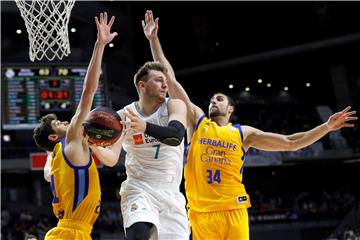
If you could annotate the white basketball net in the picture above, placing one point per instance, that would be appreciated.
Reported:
(47, 26)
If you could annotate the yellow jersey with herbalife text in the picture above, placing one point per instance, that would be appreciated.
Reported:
(76, 190)
(213, 172)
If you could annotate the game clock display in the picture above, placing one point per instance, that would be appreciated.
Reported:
(30, 92)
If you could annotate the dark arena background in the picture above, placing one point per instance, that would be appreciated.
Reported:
(288, 65)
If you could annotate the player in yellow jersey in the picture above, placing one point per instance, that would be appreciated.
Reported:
(217, 198)
(71, 169)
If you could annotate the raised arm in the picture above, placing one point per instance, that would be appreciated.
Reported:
(104, 36)
(278, 142)
(151, 27)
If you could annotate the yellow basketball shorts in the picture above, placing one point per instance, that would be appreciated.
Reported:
(69, 229)
(228, 224)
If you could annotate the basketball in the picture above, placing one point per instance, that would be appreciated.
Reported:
(103, 126)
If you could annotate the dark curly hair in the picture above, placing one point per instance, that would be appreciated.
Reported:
(42, 132)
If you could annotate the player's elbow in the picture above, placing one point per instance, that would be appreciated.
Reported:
(177, 135)
(173, 141)
(47, 176)
(110, 163)
(292, 145)
(171, 135)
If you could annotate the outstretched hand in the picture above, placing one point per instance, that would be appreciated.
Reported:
(104, 35)
(135, 122)
(340, 119)
(149, 25)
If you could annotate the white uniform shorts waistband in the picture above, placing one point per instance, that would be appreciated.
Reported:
(154, 183)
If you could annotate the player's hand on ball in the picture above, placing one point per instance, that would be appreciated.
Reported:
(87, 139)
(102, 126)
(135, 122)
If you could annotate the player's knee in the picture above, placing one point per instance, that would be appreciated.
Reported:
(139, 231)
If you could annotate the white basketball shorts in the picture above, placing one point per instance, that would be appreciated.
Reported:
(161, 204)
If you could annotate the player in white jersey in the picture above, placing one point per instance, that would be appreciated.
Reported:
(151, 202)
(147, 158)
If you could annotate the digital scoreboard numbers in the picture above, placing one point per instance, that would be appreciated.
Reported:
(30, 92)
(55, 93)
(77, 75)
(20, 97)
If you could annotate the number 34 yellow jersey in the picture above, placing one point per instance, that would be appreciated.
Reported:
(213, 172)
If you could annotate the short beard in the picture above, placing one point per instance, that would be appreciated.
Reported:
(157, 98)
(161, 100)
(216, 113)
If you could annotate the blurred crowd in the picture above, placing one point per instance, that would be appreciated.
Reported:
(300, 206)
(266, 208)
(24, 225)
(348, 233)
(28, 226)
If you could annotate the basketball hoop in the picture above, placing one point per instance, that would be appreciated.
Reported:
(47, 26)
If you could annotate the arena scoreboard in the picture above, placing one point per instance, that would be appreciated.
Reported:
(30, 92)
